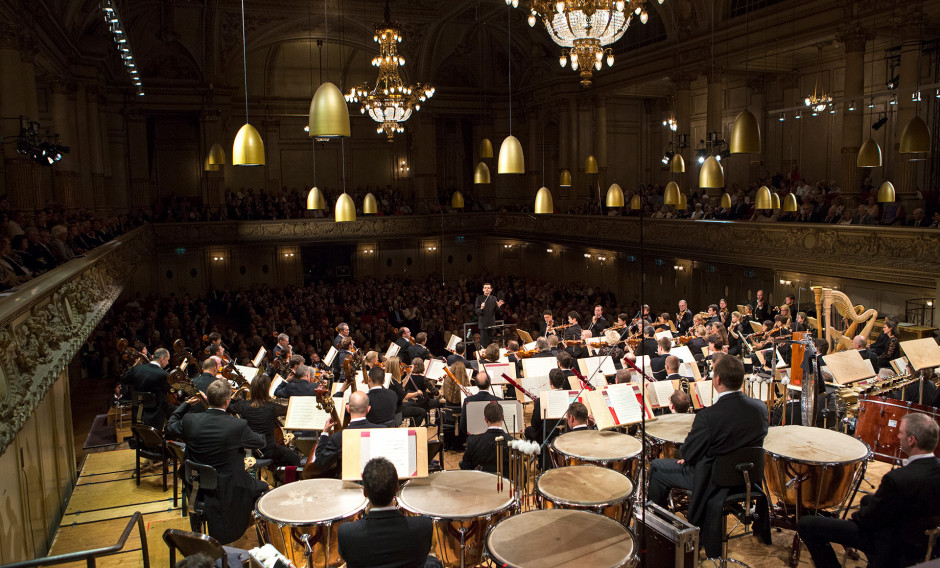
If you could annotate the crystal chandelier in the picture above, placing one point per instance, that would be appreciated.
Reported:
(819, 100)
(390, 103)
(585, 27)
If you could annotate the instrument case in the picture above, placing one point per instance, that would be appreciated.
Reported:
(670, 540)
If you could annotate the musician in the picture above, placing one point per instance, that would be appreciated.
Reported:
(481, 448)
(553, 345)
(680, 402)
(717, 328)
(883, 340)
(573, 331)
(578, 418)
(734, 421)
(662, 322)
(546, 326)
(459, 354)
(580, 350)
(511, 348)
(301, 384)
(420, 394)
(385, 537)
(800, 323)
(648, 346)
(215, 352)
(485, 308)
(329, 452)
(344, 350)
(672, 368)
(598, 322)
(763, 311)
(861, 345)
(658, 363)
(283, 348)
(217, 439)
(261, 413)
(623, 325)
(419, 349)
(724, 313)
(405, 341)
(735, 334)
(683, 318)
(210, 371)
(342, 331)
(893, 349)
(747, 316)
(712, 314)
(541, 344)
(557, 381)
(483, 383)
(889, 525)
(151, 378)
(384, 402)
(761, 339)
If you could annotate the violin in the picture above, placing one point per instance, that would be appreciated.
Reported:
(525, 353)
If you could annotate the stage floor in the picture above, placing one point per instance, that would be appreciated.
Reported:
(106, 496)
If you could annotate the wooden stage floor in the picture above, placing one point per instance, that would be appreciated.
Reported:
(106, 496)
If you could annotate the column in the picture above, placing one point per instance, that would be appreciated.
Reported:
(715, 104)
(853, 136)
(600, 140)
(424, 158)
(66, 182)
(214, 193)
(904, 171)
(272, 154)
(138, 163)
(585, 187)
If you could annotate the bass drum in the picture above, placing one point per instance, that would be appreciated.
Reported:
(879, 419)
(308, 512)
(811, 468)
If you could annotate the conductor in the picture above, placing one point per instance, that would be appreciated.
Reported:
(485, 308)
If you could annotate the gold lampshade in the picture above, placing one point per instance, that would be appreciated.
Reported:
(590, 165)
(915, 138)
(369, 205)
(315, 199)
(211, 167)
(216, 155)
(564, 180)
(481, 174)
(672, 193)
(711, 175)
(511, 160)
(636, 202)
(677, 164)
(248, 149)
(745, 134)
(683, 202)
(345, 209)
(789, 203)
(614, 196)
(726, 200)
(886, 192)
(329, 115)
(775, 201)
(869, 155)
(456, 200)
(486, 148)
(763, 200)
(544, 205)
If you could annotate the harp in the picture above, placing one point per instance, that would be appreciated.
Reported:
(840, 319)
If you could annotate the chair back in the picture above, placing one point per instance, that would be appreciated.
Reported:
(729, 470)
(148, 437)
(201, 476)
(141, 401)
(189, 543)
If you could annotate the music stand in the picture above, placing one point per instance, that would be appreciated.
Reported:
(847, 367)
(922, 354)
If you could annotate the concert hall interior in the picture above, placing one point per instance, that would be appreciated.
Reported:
(236, 181)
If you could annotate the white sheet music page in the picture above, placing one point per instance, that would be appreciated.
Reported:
(393, 349)
(683, 353)
(330, 355)
(276, 382)
(623, 404)
(434, 369)
(554, 403)
(259, 356)
(663, 390)
(391, 444)
(303, 414)
(535, 385)
(453, 341)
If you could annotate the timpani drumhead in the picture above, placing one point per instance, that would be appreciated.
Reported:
(586, 485)
(561, 538)
(671, 427)
(597, 445)
(454, 495)
(814, 445)
(312, 501)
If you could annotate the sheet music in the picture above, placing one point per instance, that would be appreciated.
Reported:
(391, 444)
(538, 366)
(683, 353)
(330, 355)
(643, 363)
(259, 356)
(434, 369)
(276, 382)
(303, 414)
(685, 370)
(663, 390)
(901, 366)
(623, 405)
(248, 372)
(530, 346)
(534, 385)
(554, 403)
(503, 355)
(495, 372)
(392, 351)
(705, 391)
(661, 334)
(589, 365)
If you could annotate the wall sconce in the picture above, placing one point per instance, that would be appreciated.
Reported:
(403, 168)
(786, 282)
(587, 255)
(368, 251)
(602, 258)
(678, 267)
(218, 258)
(432, 249)
(507, 246)
(288, 255)
(549, 250)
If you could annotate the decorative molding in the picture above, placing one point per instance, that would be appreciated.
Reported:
(44, 324)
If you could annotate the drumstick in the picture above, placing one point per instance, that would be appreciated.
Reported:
(499, 464)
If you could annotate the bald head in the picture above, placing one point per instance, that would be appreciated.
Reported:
(358, 404)
(859, 341)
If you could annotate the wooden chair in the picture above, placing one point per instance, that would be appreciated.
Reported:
(151, 445)
(189, 543)
(202, 479)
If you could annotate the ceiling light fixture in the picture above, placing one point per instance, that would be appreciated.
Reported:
(113, 20)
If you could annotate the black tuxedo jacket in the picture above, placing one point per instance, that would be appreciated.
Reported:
(597, 328)
(894, 519)
(454, 358)
(543, 327)
(203, 381)
(482, 395)
(649, 347)
(386, 539)
(486, 316)
(218, 439)
(658, 366)
(573, 332)
(403, 344)
(734, 421)
(148, 377)
(419, 351)
(329, 452)
(384, 402)
(481, 451)
(295, 387)
(684, 323)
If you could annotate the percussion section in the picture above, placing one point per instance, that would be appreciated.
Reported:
(588, 488)
(603, 448)
(667, 433)
(301, 519)
(879, 419)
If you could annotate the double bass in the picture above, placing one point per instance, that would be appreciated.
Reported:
(324, 402)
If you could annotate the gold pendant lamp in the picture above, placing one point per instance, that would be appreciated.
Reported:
(544, 205)
(456, 200)
(345, 209)
(486, 148)
(869, 155)
(511, 160)
(915, 138)
(248, 149)
(369, 205)
(745, 135)
(315, 199)
(726, 200)
(886, 193)
(564, 180)
(775, 201)
(671, 194)
(636, 202)
(590, 165)
(712, 175)
(211, 167)
(763, 199)
(789, 203)
(481, 175)
(329, 115)
(677, 164)
(683, 202)
(614, 196)
(216, 155)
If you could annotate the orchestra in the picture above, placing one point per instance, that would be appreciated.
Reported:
(714, 347)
